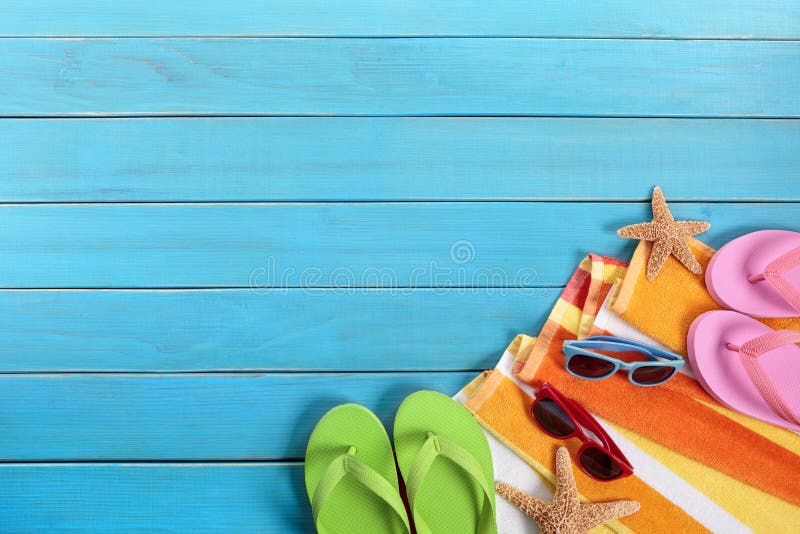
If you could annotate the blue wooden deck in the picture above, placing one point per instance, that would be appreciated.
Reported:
(219, 220)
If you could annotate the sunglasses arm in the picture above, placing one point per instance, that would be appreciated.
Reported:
(618, 344)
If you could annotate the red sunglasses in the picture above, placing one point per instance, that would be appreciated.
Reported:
(562, 418)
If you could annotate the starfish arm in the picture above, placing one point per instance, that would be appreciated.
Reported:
(646, 231)
(658, 257)
(595, 514)
(685, 255)
(693, 227)
(534, 508)
(566, 495)
(661, 212)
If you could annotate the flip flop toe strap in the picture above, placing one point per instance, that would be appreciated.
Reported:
(434, 447)
(348, 464)
(751, 351)
(774, 272)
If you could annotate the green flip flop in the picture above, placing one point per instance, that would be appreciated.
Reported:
(351, 476)
(446, 463)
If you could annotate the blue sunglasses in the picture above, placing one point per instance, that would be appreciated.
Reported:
(583, 362)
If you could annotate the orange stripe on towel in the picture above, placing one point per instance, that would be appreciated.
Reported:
(503, 408)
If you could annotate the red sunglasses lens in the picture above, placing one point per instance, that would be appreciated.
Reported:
(552, 417)
(652, 374)
(599, 464)
(589, 366)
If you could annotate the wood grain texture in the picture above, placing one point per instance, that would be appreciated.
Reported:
(440, 244)
(396, 158)
(159, 497)
(321, 329)
(576, 18)
(605, 77)
(189, 416)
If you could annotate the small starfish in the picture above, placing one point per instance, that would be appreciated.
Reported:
(668, 237)
(566, 514)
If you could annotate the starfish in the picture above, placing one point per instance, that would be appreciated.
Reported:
(566, 514)
(668, 237)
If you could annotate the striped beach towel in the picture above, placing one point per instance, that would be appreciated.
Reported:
(699, 467)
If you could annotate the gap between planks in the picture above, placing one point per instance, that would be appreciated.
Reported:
(253, 372)
(290, 462)
(267, 115)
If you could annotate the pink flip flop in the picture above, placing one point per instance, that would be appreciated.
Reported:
(758, 274)
(747, 366)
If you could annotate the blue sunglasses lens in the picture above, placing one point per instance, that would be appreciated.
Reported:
(589, 366)
(652, 374)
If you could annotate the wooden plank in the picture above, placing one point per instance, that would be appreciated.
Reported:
(268, 246)
(188, 416)
(625, 18)
(157, 497)
(320, 329)
(396, 158)
(604, 77)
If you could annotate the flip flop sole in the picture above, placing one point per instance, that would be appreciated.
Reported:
(352, 508)
(727, 272)
(449, 501)
(722, 375)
